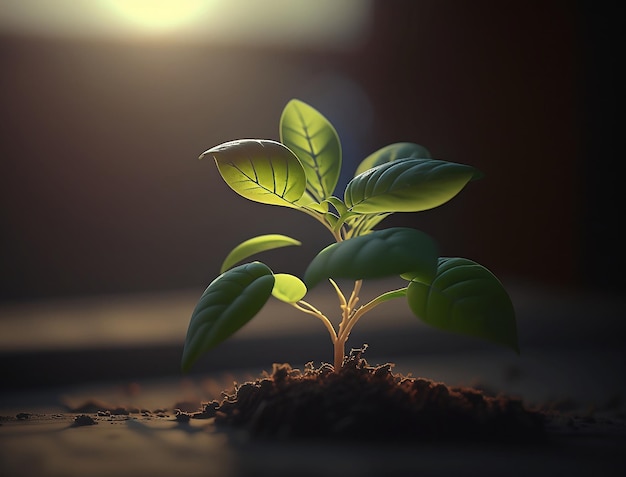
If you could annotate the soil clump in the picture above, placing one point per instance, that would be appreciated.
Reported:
(363, 402)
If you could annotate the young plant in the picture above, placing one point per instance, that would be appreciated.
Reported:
(301, 172)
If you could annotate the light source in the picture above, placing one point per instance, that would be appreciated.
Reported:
(329, 24)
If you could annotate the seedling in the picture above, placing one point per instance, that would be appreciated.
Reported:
(301, 172)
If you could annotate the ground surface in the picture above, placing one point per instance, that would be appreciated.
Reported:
(72, 410)
(156, 443)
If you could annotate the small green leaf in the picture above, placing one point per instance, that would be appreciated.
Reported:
(392, 152)
(261, 170)
(465, 298)
(228, 303)
(288, 288)
(338, 204)
(382, 253)
(314, 140)
(407, 185)
(256, 245)
(332, 220)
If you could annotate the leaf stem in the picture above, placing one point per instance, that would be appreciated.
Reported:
(309, 309)
(337, 234)
(356, 316)
(354, 297)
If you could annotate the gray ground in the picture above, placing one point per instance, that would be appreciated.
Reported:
(124, 351)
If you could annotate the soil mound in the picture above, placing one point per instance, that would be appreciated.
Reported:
(370, 403)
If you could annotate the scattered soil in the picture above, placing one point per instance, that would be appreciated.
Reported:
(84, 420)
(369, 403)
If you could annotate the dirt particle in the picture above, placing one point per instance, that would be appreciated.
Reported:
(84, 420)
(182, 417)
(209, 410)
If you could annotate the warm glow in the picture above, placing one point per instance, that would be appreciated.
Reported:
(331, 24)
(160, 15)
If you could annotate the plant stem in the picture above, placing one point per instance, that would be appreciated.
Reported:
(356, 316)
(320, 218)
(349, 316)
(347, 308)
(340, 346)
(311, 310)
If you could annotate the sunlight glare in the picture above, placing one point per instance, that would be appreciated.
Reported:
(333, 24)
(160, 15)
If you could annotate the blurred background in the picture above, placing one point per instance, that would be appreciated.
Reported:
(106, 105)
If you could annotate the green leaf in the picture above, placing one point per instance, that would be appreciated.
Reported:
(390, 295)
(314, 140)
(261, 170)
(392, 152)
(338, 204)
(309, 202)
(465, 298)
(407, 185)
(362, 224)
(382, 253)
(228, 303)
(288, 288)
(316, 207)
(255, 245)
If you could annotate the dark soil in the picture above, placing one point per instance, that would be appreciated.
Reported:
(362, 402)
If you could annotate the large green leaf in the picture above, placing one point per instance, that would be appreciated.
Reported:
(228, 303)
(465, 298)
(393, 152)
(261, 170)
(407, 185)
(314, 140)
(255, 245)
(382, 253)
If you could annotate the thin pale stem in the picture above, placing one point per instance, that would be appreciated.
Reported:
(354, 297)
(356, 316)
(345, 332)
(309, 309)
(347, 311)
(320, 218)
(340, 295)
(343, 304)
